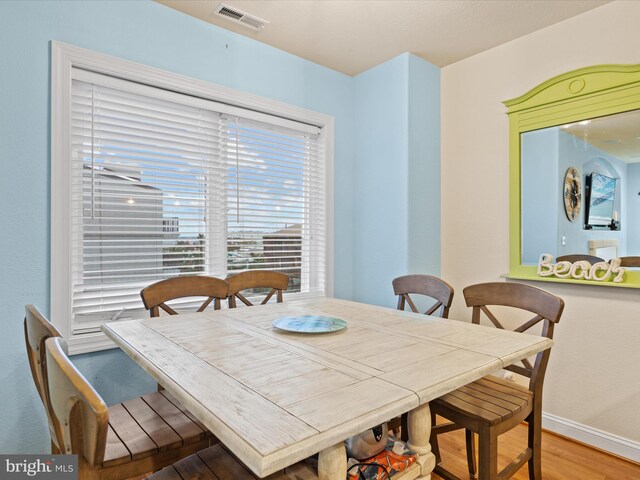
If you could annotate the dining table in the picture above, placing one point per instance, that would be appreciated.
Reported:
(274, 397)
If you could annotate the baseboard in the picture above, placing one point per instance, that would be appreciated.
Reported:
(609, 442)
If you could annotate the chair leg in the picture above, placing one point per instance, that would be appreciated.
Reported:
(535, 444)
(404, 429)
(471, 454)
(488, 453)
(433, 440)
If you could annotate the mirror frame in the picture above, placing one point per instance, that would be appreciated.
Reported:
(574, 96)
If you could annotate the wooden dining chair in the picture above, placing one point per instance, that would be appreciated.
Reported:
(491, 406)
(630, 261)
(274, 282)
(213, 463)
(36, 330)
(156, 295)
(577, 257)
(125, 440)
(426, 285)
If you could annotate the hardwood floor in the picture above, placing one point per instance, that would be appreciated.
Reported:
(562, 459)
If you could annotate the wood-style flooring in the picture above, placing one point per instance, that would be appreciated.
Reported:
(562, 459)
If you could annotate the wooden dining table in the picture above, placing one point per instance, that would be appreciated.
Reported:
(274, 397)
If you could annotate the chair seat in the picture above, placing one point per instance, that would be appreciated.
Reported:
(149, 425)
(213, 463)
(490, 400)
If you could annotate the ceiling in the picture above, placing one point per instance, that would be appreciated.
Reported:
(618, 135)
(351, 36)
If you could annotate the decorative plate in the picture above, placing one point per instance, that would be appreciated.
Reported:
(309, 324)
(572, 194)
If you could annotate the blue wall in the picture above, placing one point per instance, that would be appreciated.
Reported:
(381, 179)
(540, 187)
(397, 176)
(424, 168)
(151, 34)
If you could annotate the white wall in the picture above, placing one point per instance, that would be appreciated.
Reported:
(593, 376)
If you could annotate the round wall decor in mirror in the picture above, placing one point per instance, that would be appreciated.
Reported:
(572, 194)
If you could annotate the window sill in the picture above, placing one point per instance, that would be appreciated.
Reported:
(97, 341)
(89, 342)
(632, 280)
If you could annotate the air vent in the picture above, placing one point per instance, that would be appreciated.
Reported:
(238, 16)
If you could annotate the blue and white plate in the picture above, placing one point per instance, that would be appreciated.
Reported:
(309, 324)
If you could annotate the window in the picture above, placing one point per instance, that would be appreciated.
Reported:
(150, 183)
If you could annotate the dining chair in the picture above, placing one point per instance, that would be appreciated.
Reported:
(274, 282)
(630, 261)
(428, 286)
(491, 406)
(212, 463)
(36, 330)
(577, 257)
(157, 294)
(425, 285)
(128, 439)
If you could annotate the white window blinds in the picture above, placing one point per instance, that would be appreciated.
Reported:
(164, 184)
(275, 208)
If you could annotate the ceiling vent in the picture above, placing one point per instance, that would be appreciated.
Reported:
(238, 16)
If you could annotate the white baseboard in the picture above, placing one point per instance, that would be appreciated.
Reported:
(592, 436)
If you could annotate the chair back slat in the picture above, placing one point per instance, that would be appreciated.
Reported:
(81, 414)
(242, 299)
(546, 307)
(436, 306)
(426, 285)
(527, 364)
(490, 316)
(206, 304)
(268, 297)
(252, 279)
(526, 326)
(156, 295)
(578, 257)
(412, 305)
(630, 261)
(167, 309)
(525, 372)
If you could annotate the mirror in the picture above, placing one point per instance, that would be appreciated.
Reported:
(596, 209)
(575, 170)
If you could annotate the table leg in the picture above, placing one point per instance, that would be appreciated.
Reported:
(419, 430)
(332, 463)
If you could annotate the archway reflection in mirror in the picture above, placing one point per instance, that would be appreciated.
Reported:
(605, 152)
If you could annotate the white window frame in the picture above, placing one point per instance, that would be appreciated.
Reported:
(64, 58)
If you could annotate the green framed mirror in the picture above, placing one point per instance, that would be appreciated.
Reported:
(574, 150)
